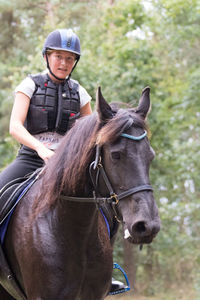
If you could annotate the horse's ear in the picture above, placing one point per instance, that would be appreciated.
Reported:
(144, 103)
(103, 108)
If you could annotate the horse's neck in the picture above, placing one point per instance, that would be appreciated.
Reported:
(78, 218)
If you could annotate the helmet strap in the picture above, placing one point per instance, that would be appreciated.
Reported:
(74, 67)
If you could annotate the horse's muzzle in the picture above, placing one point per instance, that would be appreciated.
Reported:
(142, 232)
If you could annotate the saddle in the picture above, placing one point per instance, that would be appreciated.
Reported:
(10, 195)
(13, 191)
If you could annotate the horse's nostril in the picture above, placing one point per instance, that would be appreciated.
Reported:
(139, 227)
(144, 228)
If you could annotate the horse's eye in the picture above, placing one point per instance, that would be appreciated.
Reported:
(115, 155)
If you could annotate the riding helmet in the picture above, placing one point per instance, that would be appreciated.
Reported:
(63, 39)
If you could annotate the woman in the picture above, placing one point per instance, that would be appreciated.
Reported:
(46, 105)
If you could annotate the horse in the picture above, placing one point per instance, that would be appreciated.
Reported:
(57, 243)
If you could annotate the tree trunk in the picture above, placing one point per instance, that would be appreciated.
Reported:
(149, 265)
(50, 13)
(130, 259)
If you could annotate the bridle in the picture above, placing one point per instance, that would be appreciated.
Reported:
(96, 170)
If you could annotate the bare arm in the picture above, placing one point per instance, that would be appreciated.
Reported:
(86, 110)
(19, 132)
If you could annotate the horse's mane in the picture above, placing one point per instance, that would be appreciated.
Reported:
(67, 171)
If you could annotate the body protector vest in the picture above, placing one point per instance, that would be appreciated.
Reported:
(53, 107)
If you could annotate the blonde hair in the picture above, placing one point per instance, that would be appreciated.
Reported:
(49, 51)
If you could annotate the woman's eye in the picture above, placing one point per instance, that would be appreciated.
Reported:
(115, 155)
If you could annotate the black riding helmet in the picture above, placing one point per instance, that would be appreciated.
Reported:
(62, 39)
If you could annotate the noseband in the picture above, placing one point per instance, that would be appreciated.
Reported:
(97, 167)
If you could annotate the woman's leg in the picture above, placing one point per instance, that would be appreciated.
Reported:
(24, 164)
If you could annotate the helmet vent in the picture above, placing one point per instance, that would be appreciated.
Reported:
(69, 42)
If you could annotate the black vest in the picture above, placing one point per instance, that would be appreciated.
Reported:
(53, 107)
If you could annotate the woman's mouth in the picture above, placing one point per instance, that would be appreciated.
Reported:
(62, 70)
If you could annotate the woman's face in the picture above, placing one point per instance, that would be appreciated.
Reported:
(61, 63)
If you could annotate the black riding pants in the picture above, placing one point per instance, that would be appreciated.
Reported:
(27, 161)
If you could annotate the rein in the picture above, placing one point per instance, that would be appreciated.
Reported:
(113, 199)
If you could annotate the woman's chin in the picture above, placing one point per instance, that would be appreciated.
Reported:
(62, 75)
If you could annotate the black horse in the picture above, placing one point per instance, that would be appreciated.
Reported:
(57, 243)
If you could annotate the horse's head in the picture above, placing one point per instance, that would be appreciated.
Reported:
(126, 155)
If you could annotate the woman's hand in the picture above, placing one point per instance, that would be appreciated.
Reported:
(44, 152)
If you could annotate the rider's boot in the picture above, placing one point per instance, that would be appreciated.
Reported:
(116, 286)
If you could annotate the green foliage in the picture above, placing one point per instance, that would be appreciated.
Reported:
(114, 51)
(8, 150)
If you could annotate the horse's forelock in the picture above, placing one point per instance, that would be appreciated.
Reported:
(123, 120)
